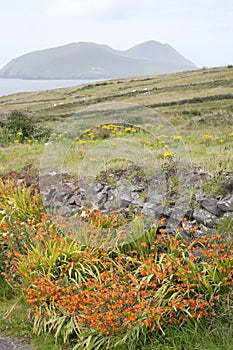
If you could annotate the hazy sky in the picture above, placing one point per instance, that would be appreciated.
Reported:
(201, 30)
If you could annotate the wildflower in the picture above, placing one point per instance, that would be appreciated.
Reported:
(92, 159)
(20, 133)
(176, 137)
(81, 142)
(168, 154)
(16, 141)
(207, 137)
(231, 134)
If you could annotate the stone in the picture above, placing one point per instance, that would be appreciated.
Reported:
(226, 204)
(124, 194)
(51, 194)
(228, 184)
(65, 211)
(100, 198)
(74, 200)
(210, 204)
(82, 192)
(204, 217)
(98, 187)
(149, 209)
(60, 195)
(199, 196)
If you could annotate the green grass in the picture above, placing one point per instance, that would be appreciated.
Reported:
(202, 113)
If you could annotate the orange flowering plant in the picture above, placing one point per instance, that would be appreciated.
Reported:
(110, 293)
(108, 297)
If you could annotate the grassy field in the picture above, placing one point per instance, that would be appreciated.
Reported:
(192, 298)
(196, 103)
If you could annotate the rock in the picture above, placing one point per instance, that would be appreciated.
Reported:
(228, 184)
(100, 198)
(60, 195)
(152, 210)
(74, 200)
(226, 204)
(149, 209)
(210, 204)
(124, 193)
(199, 196)
(51, 194)
(98, 187)
(82, 192)
(65, 211)
(202, 216)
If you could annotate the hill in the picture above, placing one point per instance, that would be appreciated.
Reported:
(89, 60)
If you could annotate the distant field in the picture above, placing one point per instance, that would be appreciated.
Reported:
(196, 103)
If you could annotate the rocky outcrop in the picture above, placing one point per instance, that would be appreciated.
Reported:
(153, 198)
(128, 190)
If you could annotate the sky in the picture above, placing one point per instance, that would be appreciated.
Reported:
(201, 30)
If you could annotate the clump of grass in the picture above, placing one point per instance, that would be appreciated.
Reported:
(19, 128)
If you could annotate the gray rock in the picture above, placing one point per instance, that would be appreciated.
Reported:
(70, 185)
(152, 210)
(226, 204)
(199, 196)
(202, 216)
(51, 194)
(82, 192)
(100, 198)
(65, 211)
(124, 193)
(74, 200)
(210, 204)
(60, 195)
(228, 184)
(98, 187)
(149, 209)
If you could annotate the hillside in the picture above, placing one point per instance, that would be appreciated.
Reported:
(196, 103)
(89, 60)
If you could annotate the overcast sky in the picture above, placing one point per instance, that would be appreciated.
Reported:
(201, 30)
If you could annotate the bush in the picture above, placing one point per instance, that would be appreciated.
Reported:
(20, 127)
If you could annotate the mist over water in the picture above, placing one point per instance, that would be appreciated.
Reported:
(12, 86)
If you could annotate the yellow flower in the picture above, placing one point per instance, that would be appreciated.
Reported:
(176, 137)
(168, 154)
(19, 133)
(231, 134)
(207, 137)
(93, 159)
(81, 142)
(16, 141)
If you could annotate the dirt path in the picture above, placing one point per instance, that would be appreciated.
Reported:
(10, 344)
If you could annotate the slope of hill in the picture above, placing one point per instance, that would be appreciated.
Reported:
(89, 60)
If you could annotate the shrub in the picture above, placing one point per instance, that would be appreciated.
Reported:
(21, 215)
(19, 127)
(109, 296)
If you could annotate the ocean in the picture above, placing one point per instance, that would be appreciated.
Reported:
(12, 86)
